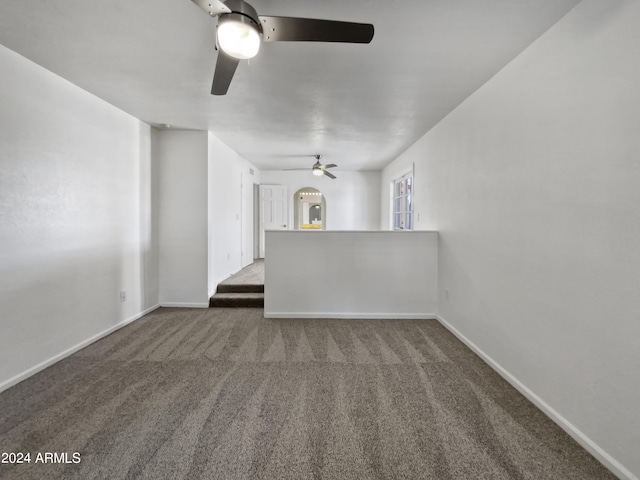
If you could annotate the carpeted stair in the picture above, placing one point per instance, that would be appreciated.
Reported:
(238, 296)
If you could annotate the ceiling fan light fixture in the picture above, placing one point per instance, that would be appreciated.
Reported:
(317, 171)
(238, 37)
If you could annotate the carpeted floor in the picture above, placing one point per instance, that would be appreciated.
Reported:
(252, 274)
(226, 394)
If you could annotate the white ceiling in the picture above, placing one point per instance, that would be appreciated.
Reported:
(357, 105)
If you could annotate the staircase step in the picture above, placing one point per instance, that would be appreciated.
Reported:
(237, 300)
(239, 288)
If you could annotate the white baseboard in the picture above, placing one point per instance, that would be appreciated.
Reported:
(371, 316)
(184, 305)
(56, 358)
(589, 445)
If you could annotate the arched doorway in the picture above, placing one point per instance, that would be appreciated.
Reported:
(309, 209)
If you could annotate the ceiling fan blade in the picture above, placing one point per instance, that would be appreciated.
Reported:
(330, 175)
(212, 7)
(331, 165)
(290, 29)
(225, 68)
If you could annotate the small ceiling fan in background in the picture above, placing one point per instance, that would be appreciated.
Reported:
(240, 31)
(319, 169)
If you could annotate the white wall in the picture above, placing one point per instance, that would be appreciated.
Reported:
(93, 202)
(230, 211)
(182, 160)
(150, 226)
(203, 214)
(353, 199)
(75, 217)
(351, 274)
(534, 185)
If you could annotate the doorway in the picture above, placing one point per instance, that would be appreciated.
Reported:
(309, 209)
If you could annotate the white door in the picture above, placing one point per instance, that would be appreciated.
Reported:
(274, 210)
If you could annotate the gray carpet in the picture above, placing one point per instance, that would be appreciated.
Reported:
(252, 274)
(244, 289)
(226, 394)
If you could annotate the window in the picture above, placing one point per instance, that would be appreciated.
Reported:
(403, 202)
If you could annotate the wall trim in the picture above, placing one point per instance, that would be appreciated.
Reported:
(70, 351)
(348, 316)
(589, 445)
(184, 304)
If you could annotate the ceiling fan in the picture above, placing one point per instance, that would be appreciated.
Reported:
(318, 169)
(240, 31)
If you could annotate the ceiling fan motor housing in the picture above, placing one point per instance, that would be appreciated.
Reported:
(241, 12)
